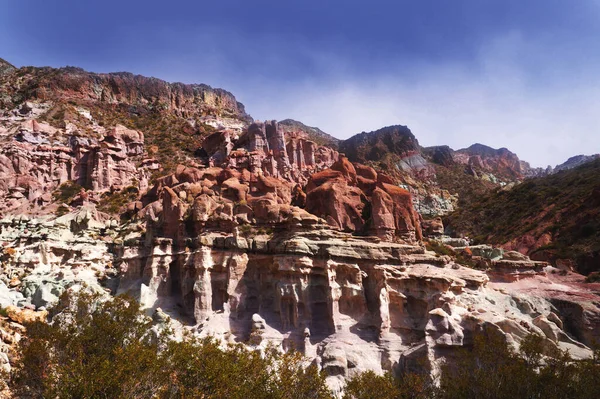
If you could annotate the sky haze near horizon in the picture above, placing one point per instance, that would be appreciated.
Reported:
(521, 75)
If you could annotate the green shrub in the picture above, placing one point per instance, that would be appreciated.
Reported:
(588, 230)
(439, 248)
(593, 277)
(107, 350)
(113, 202)
(490, 369)
(369, 385)
(66, 191)
(62, 210)
(245, 230)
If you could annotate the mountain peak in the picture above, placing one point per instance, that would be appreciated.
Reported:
(374, 146)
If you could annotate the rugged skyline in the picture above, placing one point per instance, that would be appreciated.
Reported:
(501, 73)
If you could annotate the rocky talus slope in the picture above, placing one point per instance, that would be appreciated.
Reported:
(259, 235)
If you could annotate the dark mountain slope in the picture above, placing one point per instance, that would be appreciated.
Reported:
(378, 145)
(556, 217)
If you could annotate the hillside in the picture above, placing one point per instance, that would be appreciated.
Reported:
(314, 133)
(5, 67)
(174, 117)
(553, 217)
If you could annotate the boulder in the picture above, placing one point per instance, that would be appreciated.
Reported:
(514, 255)
(393, 214)
(233, 190)
(339, 204)
(365, 171)
(487, 252)
(203, 208)
(320, 178)
(366, 178)
(218, 146)
(433, 227)
(25, 316)
(185, 174)
(280, 188)
(345, 167)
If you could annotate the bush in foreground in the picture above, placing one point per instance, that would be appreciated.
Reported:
(98, 349)
(106, 350)
(491, 370)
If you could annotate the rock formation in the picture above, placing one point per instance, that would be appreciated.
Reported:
(265, 149)
(290, 126)
(260, 232)
(502, 162)
(350, 304)
(71, 83)
(35, 161)
(362, 202)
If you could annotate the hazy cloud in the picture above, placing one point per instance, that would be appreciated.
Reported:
(521, 75)
(498, 100)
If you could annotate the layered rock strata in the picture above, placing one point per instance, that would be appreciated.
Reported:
(265, 149)
(351, 305)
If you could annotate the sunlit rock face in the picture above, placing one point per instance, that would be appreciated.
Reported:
(264, 148)
(349, 304)
(37, 158)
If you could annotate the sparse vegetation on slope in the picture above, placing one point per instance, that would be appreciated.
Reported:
(470, 189)
(492, 370)
(169, 114)
(565, 206)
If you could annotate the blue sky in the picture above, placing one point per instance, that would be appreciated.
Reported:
(518, 74)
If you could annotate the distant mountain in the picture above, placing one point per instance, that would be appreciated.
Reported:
(503, 163)
(571, 163)
(575, 161)
(376, 146)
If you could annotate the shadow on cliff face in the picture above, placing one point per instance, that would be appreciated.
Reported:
(287, 301)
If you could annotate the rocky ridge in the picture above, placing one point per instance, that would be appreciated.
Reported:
(75, 84)
(313, 133)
